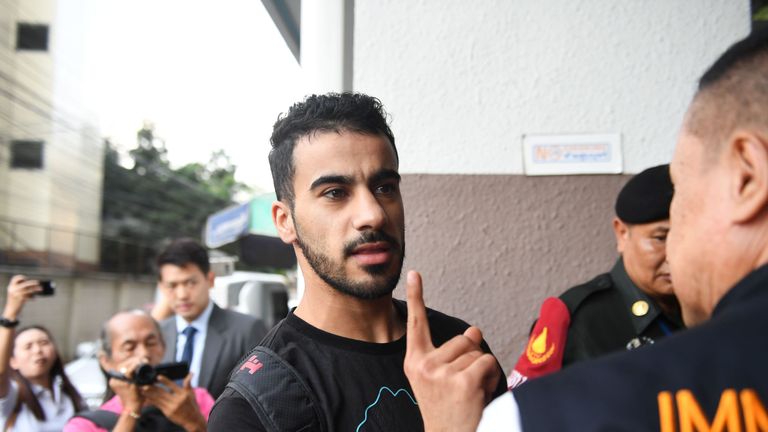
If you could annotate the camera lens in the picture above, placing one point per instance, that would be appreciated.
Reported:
(144, 374)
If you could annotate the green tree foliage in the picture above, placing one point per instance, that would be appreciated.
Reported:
(149, 203)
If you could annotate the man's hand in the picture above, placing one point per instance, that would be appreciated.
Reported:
(178, 404)
(129, 393)
(451, 383)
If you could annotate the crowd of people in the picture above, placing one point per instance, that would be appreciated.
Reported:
(351, 357)
(135, 350)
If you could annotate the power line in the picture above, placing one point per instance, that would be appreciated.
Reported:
(22, 62)
(56, 203)
(39, 111)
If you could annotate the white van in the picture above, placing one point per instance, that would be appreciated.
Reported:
(264, 295)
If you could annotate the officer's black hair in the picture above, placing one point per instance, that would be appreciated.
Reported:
(742, 50)
(732, 93)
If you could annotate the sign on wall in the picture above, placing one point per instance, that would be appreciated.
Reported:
(572, 154)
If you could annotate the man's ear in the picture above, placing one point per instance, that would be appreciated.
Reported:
(283, 220)
(621, 231)
(210, 278)
(747, 161)
(104, 362)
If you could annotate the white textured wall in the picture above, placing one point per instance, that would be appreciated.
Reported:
(464, 80)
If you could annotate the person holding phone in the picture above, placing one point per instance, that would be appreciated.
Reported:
(35, 393)
(130, 340)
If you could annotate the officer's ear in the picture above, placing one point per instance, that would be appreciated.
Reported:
(621, 231)
(747, 163)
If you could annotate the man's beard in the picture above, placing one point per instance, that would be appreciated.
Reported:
(334, 274)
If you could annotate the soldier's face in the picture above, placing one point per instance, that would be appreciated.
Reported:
(643, 248)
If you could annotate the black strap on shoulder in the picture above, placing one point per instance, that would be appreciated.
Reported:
(574, 296)
(101, 418)
(278, 395)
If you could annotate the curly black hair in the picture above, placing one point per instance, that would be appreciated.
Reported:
(332, 112)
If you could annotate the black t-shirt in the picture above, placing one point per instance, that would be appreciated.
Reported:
(360, 386)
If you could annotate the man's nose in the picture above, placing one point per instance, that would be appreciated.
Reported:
(182, 291)
(369, 213)
(664, 266)
(142, 353)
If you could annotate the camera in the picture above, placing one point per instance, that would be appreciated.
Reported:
(49, 288)
(146, 374)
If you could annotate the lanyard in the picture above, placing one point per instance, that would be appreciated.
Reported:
(664, 327)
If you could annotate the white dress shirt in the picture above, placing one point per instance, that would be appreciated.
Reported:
(502, 414)
(58, 408)
(201, 325)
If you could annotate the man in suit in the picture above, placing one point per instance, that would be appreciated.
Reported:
(209, 338)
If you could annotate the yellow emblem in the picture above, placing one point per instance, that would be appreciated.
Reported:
(640, 308)
(537, 351)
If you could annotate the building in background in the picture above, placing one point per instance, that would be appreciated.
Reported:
(51, 155)
(51, 170)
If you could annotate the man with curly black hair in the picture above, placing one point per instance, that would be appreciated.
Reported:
(335, 168)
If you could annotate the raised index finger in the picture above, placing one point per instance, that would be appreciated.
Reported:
(418, 335)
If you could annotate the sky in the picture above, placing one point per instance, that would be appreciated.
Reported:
(208, 75)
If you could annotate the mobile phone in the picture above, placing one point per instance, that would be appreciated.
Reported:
(49, 288)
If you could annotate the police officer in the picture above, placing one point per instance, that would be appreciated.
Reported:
(631, 306)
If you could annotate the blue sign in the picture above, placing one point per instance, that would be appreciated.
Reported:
(227, 225)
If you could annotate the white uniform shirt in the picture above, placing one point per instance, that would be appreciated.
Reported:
(58, 408)
(201, 325)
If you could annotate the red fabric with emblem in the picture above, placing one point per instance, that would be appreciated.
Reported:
(544, 350)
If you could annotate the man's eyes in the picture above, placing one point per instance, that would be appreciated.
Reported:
(335, 193)
(340, 193)
(388, 188)
(188, 282)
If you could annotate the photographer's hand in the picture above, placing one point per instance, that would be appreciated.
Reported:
(132, 401)
(20, 289)
(129, 394)
(178, 404)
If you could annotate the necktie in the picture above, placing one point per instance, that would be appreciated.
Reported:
(186, 355)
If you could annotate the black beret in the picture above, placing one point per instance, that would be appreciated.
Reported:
(646, 197)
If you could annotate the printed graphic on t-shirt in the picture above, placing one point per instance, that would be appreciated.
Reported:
(391, 410)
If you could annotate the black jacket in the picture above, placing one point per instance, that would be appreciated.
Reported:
(715, 368)
(603, 321)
